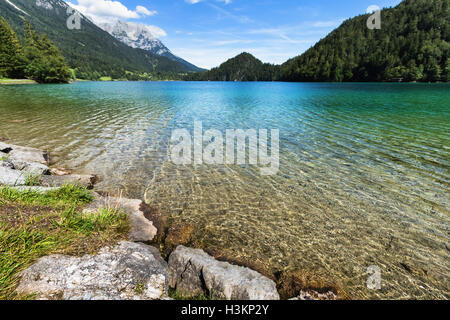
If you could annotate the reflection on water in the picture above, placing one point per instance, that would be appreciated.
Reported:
(363, 180)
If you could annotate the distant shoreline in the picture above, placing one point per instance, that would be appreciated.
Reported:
(29, 82)
(16, 81)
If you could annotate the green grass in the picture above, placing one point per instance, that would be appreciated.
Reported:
(66, 195)
(95, 222)
(32, 179)
(105, 79)
(33, 225)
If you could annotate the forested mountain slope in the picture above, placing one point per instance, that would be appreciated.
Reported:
(413, 44)
(243, 67)
(91, 51)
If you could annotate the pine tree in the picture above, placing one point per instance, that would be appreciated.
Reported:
(446, 75)
(12, 62)
(45, 62)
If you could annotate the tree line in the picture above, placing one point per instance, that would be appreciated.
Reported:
(412, 45)
(37, 58)
(243, 67)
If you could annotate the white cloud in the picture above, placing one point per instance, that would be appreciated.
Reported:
(197, 1)
(101, 11)
(145, 11)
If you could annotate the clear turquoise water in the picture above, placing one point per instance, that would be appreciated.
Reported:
(363, 180)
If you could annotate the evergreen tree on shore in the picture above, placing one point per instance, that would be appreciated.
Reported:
(45, 62)
(38, 60)
(12, 62)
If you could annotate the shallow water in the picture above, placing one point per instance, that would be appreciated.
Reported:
(363, 179)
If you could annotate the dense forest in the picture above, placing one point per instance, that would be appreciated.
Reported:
(90, 51)
(38, 59)
(243, 67)
(412, 45)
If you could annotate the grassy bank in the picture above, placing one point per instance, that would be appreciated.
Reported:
(33, 225)
(16, 81)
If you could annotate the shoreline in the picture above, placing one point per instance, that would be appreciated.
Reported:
(30, 82)
(147, 231)
(7, 82)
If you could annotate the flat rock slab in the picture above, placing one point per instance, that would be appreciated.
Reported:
(11, 177)
(128, 271)
(142, 229)
(193, 272)
(87, 181)
(24, 153)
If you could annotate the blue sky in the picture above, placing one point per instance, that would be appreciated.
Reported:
(208, 32)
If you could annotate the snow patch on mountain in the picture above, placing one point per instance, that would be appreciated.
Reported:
(44, 4)
(143, 37)
(137, 35)
(15, 7)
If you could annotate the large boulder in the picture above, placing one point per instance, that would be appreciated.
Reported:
(142, 229)
(128, 271)
(24, 153)
(193, 272)
(11, 177)
(34, 168)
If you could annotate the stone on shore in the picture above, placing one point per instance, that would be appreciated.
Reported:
(193, 272)
(87, 181)
(60, 171)
(128, 271)
(34, 168)
(142, 229)
(25, 154)
(11, 177)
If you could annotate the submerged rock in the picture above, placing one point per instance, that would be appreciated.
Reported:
(193, 272)
(314, 295)
(128, 271)
(298, 284)
(178, 234)
(142, 229)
